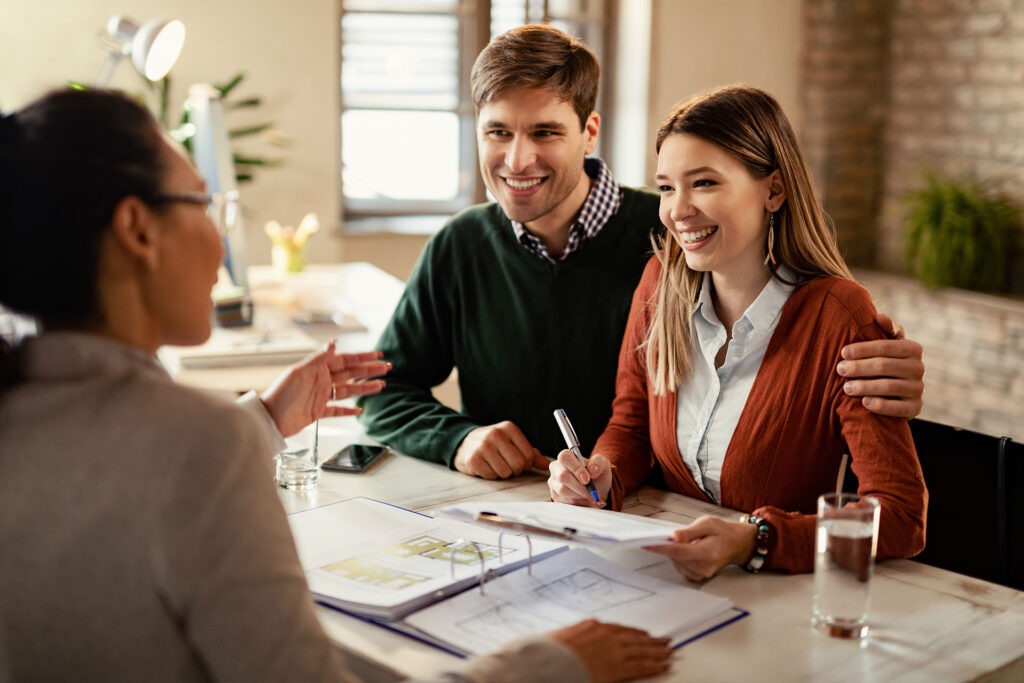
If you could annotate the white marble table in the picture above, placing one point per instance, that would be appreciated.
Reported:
(927, 624)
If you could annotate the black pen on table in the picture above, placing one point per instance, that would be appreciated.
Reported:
(573, 443)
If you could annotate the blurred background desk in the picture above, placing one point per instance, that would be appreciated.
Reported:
(927, 624)
(358, 291)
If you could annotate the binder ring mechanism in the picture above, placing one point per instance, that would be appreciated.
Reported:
(519, 528)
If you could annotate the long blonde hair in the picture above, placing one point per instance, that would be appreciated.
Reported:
(750, 125)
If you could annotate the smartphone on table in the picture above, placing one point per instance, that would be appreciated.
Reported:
(355, 457)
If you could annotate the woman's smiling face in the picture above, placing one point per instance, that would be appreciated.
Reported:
(712, 206)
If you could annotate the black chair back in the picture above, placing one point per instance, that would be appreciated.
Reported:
(976, 502)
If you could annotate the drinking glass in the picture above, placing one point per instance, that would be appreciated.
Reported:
(846, 538)
(298, 465)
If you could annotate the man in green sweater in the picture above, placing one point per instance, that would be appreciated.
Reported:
(528, 297)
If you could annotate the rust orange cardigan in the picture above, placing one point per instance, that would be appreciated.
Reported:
(792, 433)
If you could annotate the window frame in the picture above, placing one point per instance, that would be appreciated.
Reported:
(589, 19)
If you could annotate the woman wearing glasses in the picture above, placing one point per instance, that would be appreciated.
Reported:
(142, 537)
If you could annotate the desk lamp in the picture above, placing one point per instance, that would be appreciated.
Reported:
(153, 47)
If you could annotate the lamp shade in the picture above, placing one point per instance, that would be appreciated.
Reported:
(153, 47)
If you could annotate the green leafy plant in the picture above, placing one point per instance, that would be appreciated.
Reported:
(245, 164)
(960, 234)
(158, 101)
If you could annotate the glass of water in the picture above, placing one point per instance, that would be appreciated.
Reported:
(845, 543)
(297, 466)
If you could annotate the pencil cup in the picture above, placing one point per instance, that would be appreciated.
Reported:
(297, 466)
(286, 258)
(846, 538)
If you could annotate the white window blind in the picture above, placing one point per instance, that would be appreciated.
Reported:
(407, 127)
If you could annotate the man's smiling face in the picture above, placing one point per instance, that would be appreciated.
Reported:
(531, 155)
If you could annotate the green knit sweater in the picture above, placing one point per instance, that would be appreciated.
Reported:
(527, 336)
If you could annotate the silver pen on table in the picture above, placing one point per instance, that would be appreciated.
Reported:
(573, 443)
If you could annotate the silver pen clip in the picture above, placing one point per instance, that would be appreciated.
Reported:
(568, 433)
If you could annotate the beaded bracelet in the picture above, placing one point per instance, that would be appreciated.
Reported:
(763, 542)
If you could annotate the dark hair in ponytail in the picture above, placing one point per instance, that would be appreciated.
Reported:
(66, 160)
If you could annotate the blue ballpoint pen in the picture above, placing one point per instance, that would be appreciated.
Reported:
(573, 444)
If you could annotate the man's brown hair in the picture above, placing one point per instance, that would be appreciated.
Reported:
(541, 57)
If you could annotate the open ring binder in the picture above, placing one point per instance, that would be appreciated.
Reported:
(489, 574)
(479, 553)
(389, 567)
(529, 551)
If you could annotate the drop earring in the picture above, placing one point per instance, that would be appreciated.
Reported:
(771, 239)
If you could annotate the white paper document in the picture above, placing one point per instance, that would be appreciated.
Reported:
(563, 590)
(378, 560)
(569, 522)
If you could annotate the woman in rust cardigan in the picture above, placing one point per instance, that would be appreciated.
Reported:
(724, 376)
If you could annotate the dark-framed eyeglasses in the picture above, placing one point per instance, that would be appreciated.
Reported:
(221, 207)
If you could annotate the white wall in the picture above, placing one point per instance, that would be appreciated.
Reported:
(288, 48)
(699, 45)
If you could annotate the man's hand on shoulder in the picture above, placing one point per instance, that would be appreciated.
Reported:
(887, 373)
(497, 451)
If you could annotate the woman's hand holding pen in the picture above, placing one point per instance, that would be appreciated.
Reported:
(567, 479)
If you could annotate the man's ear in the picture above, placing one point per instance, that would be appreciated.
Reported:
(591, 129)
(776, 191)
(134, 230)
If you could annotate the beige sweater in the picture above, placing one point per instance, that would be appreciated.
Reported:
(141, 536)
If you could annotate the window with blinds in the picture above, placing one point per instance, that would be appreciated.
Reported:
(407, 121)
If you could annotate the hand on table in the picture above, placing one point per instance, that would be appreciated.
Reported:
(303, 393)
(892, 371)
(497, 451)
(614, 653)
(701, 549)
(567, 479)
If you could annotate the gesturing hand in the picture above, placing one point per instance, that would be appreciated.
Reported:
(303, 393)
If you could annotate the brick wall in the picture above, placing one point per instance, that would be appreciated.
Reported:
(890, 88)
(844, 93)
(973, 351)
(956, 102)
(934, 84)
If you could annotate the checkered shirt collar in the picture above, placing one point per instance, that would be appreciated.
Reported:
(602, 203)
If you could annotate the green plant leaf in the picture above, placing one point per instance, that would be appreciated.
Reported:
(959, 233)
(226, 89)
(251, 130)
(244, 104)
(255, 161)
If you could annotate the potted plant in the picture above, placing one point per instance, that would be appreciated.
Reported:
(960, 234)
(245, 164)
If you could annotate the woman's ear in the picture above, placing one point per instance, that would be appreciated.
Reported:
(134, 230)
(776, 191)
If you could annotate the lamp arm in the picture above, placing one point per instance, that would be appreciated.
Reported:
(107, 68)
